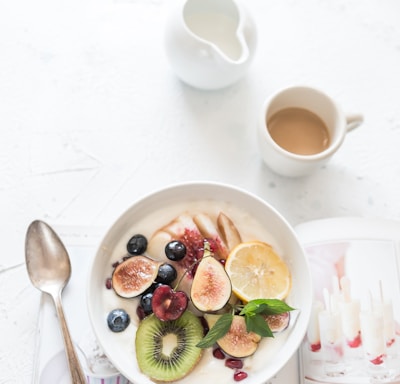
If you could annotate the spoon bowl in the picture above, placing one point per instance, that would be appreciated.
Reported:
(49, 269)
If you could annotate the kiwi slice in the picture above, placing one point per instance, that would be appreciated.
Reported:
(166, 350)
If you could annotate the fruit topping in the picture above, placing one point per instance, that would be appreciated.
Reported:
(228, 230)
(236, 290)
(134, 275)
(137, 245)
(168, 304)
(237, 342)
(152, 287)
(118, 320)
(166, 350)
(175, 250)
(211, 288)
(256, 271)
(108, 283)
(166, 274)
(219, 354)
(278, 322)
(239, 376)
(146, 303)
(234, 363)
(209, 231)
(189, 232)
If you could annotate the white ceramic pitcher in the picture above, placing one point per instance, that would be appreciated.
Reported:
(210, 43)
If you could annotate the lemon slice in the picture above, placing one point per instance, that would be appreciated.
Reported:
(257, 272)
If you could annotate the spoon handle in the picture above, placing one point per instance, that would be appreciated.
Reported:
(77, 374)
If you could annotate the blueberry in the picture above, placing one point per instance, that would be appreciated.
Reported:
(175, 250)
(137, 245)
(152, 288)
(145, 302)
(118, 320)
(166, 274)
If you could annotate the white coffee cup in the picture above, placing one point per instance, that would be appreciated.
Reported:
(291, 163)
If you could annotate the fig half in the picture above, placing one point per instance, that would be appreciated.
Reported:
(134, 275)
(278, 322)
(211, 287)
(237, 342)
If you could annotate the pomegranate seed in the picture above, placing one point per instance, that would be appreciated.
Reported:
(218, 354)
(234, 363)
(222, 261)
(239, 376)
(109, 283)
(114, 265)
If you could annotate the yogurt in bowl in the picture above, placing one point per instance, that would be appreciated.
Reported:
(255, 220)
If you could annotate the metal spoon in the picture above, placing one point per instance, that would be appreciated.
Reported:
(49, 269)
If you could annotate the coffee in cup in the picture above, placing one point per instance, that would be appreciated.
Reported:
(300, 128)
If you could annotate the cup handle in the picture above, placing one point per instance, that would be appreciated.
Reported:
(353, 121)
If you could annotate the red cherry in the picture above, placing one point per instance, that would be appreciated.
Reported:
(168, 304)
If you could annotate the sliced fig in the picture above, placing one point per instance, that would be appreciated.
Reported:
(237, 342)
(134, 275)
(209, 230)
(211, 287)
(279, 322)
(229, 233)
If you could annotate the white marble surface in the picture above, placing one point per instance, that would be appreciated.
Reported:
(92, 118)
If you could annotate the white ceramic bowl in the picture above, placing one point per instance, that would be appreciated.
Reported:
(150, 213)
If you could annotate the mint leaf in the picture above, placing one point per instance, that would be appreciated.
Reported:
(257, 324)
(220, 329)
(265, 307)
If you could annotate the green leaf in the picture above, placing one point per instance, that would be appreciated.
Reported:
(257, 324)
(265, 307)
(220, 329)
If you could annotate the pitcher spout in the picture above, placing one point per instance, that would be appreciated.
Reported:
(219, 23)
(210, 43)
